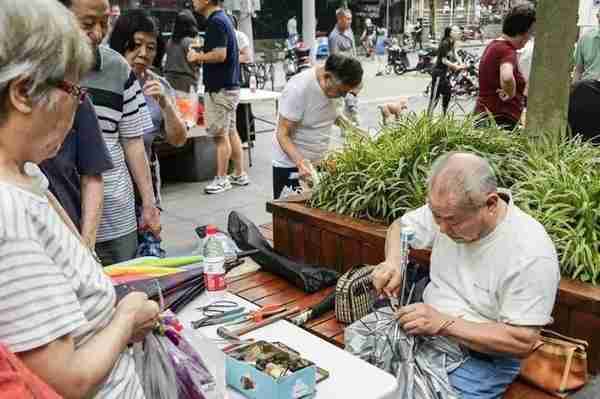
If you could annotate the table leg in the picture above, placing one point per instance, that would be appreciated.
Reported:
(250, 143)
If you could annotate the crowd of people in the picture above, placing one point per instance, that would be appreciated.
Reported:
(80, 112)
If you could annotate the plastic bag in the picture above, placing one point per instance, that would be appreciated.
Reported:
(213, 361)
(177, 363)
(154, 369)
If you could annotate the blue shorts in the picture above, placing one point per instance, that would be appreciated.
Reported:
(484, 376)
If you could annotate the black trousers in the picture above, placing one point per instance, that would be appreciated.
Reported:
(247, 132)
(440, 86)
(284, 177)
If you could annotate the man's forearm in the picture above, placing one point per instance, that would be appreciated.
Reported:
(392, 244)
(493, 338)
(135, 155)
(283, 137)
(212, 57)
(92, 198)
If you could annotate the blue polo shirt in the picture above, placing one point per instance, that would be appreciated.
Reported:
(220, 34)
(83, 152)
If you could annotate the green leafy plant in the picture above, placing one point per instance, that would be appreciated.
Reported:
(558, 183)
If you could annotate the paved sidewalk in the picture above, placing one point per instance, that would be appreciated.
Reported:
(186, 206)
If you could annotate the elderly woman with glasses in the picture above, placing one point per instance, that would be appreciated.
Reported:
(137, 38)
(58, 312)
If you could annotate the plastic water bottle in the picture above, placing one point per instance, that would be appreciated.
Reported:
(253, 83)
(200, 85)
(214, 265)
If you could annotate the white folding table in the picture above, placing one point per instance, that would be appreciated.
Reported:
(249, 97)
(350, 377)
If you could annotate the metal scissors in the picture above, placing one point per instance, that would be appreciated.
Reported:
(219, 308)
(218, 312)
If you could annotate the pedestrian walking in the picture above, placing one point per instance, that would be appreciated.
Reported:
(446, 62)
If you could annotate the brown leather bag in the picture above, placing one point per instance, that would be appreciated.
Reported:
(557, 364)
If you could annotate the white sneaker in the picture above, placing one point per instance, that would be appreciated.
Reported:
(241, 180)
(219, 184)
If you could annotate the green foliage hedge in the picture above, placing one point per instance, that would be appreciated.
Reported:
(558, 183)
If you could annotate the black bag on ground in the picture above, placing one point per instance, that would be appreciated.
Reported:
(309, 278)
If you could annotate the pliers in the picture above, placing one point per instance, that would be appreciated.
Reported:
(258, 315)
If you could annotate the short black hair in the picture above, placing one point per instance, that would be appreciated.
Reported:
(185, 26)
(66, 3)
(519, 20)
(127, 25)
(347, 69)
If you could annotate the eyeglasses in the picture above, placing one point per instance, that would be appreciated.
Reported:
(71, 88)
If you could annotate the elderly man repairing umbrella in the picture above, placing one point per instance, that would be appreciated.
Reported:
(494, 274)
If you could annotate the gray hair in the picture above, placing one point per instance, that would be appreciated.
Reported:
(468, 177)
(40, 40)
(343, 11)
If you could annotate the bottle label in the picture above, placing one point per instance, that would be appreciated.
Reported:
(215, 282)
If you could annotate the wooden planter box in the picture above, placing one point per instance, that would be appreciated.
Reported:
(340, 242)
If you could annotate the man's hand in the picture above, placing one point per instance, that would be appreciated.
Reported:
(304, 171)
(421, 319)
(151, 219)
(387, 279)
(194, 56)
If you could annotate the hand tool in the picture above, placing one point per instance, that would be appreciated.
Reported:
(223, 332)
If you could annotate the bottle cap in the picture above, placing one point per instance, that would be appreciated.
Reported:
(211, 230)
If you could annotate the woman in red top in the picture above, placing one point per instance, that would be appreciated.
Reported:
(501, 84)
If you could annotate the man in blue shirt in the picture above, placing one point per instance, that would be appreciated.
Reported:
(221, 75)
(75, 173)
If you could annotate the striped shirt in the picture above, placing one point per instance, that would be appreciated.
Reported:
(50, 284)
(122, 113)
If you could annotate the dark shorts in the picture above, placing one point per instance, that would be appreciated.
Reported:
(118, 250)
(284, 177)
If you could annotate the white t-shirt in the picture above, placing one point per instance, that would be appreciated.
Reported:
(526, 59)
(303, 101)
(243, 42)
(510, 276)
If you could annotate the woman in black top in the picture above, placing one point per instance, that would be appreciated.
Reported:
(446, 60)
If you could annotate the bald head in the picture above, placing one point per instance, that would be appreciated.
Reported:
(464, 179)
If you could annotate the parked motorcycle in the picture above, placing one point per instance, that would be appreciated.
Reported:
(472, 32)
(297, 59)
(421, 61)
(466, 82)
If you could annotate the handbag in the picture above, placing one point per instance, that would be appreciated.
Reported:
(557, 364)
(354, 294)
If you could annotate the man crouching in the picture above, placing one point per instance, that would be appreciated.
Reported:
(494, 273)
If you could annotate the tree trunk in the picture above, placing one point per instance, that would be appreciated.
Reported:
(548, 101)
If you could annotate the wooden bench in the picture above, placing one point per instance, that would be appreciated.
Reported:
(263, 288)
